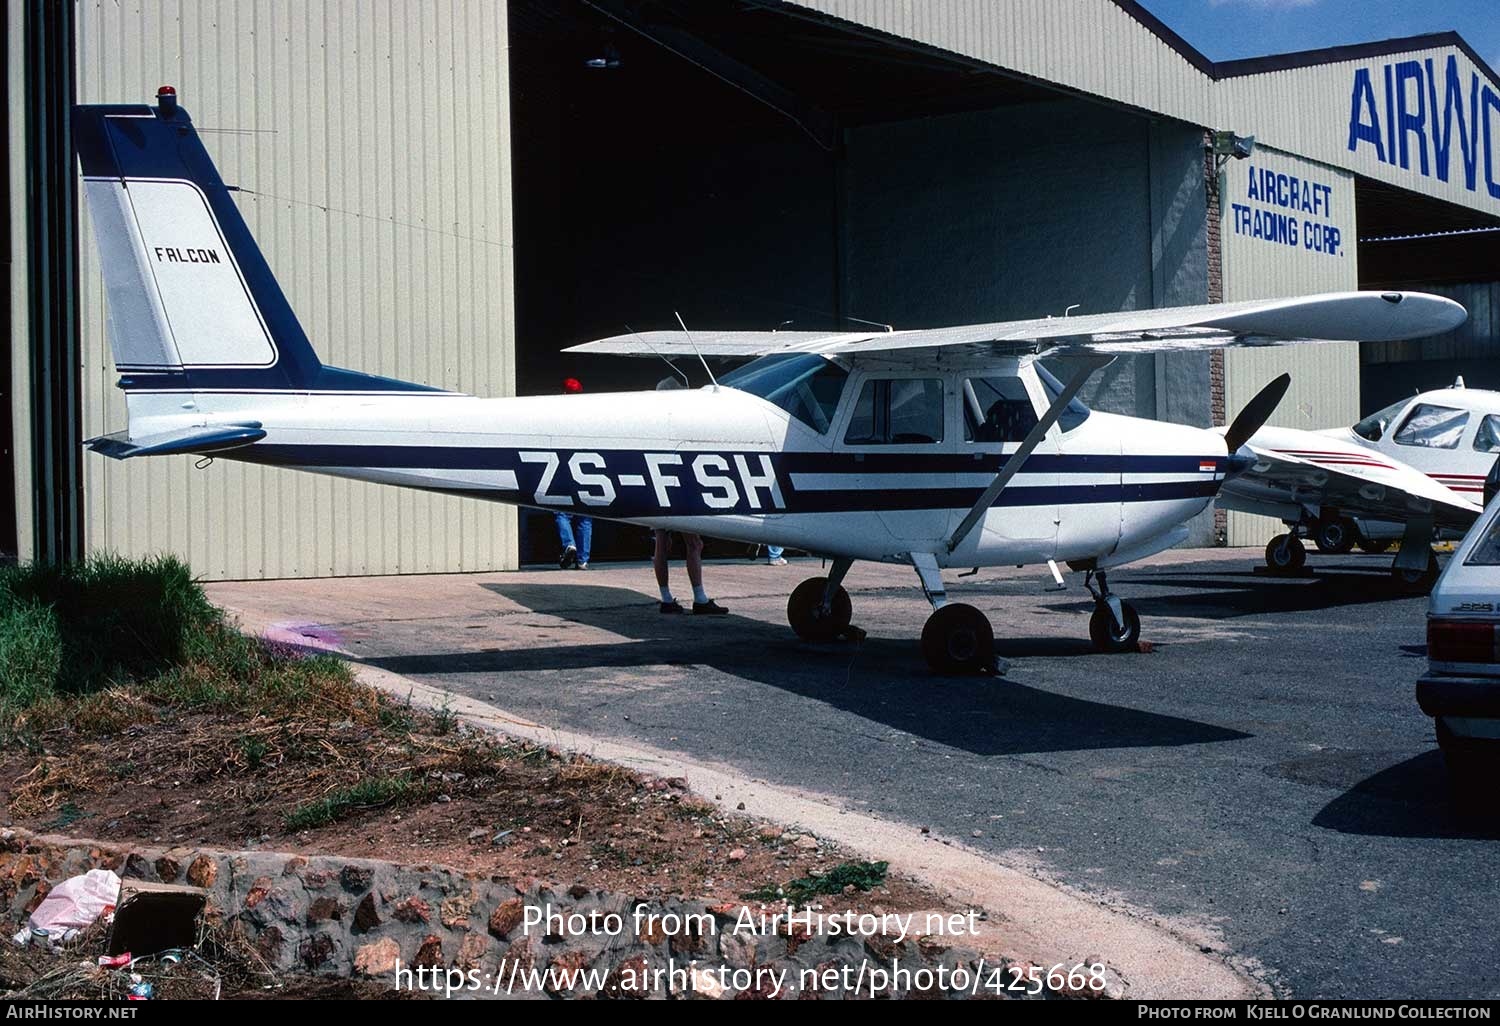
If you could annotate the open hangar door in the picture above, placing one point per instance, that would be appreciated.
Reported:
(1408, 241)
(750, 166)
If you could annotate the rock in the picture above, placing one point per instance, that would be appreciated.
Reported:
(138, 868)
(167, 868)
(629, 979)
(563, 968)
(412, 910)
(203, 871)
(268, 944)
(807, 842)
(356, 878)
(378, 958)
(706, 984)
(506, 917)
(323, 910)
(578, 892)
(316, 950)
(259, 889)
(738, 855)
(430, 954)
(454, 912)
(471, 951)
(366, 916)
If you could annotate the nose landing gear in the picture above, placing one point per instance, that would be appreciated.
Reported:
(1115, 625)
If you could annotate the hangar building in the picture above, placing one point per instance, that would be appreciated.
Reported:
(454, 191)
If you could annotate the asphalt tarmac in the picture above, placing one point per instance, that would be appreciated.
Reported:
(1263, 769)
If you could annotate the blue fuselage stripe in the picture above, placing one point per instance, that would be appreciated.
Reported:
(626, 483)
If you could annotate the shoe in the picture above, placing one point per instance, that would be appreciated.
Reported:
(568, 558)
(671, 608)
(581, 566)
(709, 608)
(778, 561)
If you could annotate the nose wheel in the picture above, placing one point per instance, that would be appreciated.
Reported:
(1115, 625)
(1285, 554)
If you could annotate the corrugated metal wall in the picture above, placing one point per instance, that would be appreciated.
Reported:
(1090, 45)
(1307, 111)
(1325, 378)
(372, 141)
(19, 407)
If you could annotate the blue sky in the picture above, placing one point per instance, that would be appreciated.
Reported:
(1229, 29)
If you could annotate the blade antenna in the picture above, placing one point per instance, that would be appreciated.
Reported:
(694, 344)
(642, 340)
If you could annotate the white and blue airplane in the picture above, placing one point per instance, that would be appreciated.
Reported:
(940, 448)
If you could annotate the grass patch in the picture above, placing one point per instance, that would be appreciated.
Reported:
(862, 876)
(367, 794)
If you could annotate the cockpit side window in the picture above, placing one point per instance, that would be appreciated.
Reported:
(997, 409)
(1487, 438)
(1433, 427)
(805, 385)
(1374, 427)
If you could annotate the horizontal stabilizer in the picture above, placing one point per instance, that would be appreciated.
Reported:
(1332, 317)
(208, 438)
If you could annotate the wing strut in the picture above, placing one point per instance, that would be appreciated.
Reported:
(1033, 438)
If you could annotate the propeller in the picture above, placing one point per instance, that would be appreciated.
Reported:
(1256, 412)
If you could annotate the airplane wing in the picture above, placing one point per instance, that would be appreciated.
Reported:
(1305, 468)
(1332, 317)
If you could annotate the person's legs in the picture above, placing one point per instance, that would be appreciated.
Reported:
(585, 539)
(773, 554)
(701, 602)
(659, 564)
(565, 539)
(694, 545)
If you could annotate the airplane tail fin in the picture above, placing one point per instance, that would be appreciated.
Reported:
(193, 305)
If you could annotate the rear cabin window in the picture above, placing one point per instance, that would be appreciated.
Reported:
(897, 411)
(996, 410)
(1487, 552)
(1433, 427)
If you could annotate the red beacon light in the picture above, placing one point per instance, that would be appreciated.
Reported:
(166, 100)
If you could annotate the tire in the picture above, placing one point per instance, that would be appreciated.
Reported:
(1374, 547)
(958, 639)
(1287, 560)
(1472, 766)
(1107, 637)
(808, 621)
(1335, 537)
(1416, 582)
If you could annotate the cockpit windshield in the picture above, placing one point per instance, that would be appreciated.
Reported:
(1074, 413)
(805, 385)
(1374, 427)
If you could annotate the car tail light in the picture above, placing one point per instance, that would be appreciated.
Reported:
(1463, 641)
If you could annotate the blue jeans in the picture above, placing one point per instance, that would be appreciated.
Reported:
(774, 551)
(567, 525)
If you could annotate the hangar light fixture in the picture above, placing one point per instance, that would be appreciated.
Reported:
(1226, 144)
(607, 61)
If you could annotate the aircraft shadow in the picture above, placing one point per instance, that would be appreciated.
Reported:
(1409, 799)
(1223, 596)
(881, 680)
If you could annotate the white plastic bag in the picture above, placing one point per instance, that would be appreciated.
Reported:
(77, 902)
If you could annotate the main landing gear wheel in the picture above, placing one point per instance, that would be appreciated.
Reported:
(1336, 536)
(1416, 582)
(807, 615)
(1374, 546)
(958, 639)
(1285, 554)
(1109, 636)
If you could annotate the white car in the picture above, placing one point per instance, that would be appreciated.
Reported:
(1461, 689)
